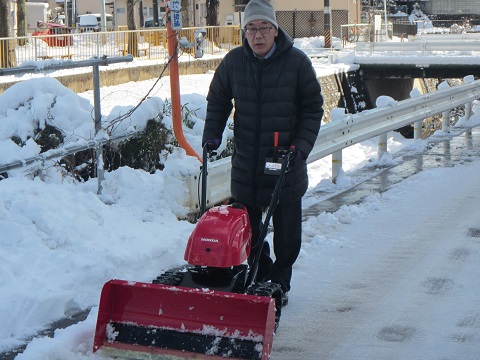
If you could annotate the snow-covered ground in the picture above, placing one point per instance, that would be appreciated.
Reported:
(392, 278)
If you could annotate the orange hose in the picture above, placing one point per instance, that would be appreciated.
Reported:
(175, 90)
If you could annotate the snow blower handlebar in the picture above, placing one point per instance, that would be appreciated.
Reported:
(207, 152)
(271, 209)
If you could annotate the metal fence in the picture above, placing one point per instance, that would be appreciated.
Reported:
(404, 28)
(300, 24)
(143, 44)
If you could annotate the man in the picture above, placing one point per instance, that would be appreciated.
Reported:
(277, 96)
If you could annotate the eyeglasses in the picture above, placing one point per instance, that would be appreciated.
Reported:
(253, 31)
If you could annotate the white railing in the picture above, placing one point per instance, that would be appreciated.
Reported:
(149, 43)
(349, 130)
(445, 37)
(422, 47)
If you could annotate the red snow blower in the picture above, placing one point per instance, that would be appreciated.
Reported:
(212, 308)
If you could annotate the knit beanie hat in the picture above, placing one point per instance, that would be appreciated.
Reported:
(260, 10)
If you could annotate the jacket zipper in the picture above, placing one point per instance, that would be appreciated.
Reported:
(257, 129)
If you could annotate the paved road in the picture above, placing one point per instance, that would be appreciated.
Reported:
(383, 289)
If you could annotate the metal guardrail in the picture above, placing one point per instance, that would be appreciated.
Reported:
(98, 141)
(332, 138)
(351, 129)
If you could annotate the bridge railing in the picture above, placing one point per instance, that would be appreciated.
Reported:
(445, 37)
(420, 47)
(349, 130)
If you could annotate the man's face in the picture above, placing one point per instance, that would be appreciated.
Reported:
(260, 36)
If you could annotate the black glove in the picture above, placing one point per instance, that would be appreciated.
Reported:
(212, 144)
(299, 155)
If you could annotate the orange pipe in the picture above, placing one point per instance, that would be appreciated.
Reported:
(175, 90)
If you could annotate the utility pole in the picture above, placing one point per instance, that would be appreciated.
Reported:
(73, 21)
(385, 15)
(140, 13)
(326, 24)
(155, 13)
(103, 22)
(65, 12)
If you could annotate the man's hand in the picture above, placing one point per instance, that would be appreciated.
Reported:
(299, 155)
(212, 144)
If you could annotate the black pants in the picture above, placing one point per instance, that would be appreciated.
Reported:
(287, 241)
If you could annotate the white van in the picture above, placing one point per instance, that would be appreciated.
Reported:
(93, 22)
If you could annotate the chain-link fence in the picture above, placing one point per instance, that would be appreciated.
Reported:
(300, 24)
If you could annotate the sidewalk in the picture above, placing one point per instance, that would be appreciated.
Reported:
(460, 146)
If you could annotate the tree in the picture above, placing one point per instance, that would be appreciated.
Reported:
(186, 13)
(7, 47)
(140, 12)
(132, 36)
(21, 21)
(212, 12)
(155, 13)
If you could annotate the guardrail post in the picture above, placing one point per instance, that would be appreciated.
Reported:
(469, 139)
(468, 110)
(446, 121)
(98, 126)
(35, 47)
(337, 159)
(468, 105)
(382, 145)
(417, 130)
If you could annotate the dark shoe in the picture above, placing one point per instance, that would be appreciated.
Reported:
(285, 298)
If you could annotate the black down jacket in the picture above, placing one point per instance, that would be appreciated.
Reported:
(279, 94)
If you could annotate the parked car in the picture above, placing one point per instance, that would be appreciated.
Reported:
(93, 22)
(54, 29)
(149, 22)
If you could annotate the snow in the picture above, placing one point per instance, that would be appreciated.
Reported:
(60, 241)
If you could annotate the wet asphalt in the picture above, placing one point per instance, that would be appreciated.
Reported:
(461, 145)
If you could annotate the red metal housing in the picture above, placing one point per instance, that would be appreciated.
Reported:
(222, 238)
(137, 318)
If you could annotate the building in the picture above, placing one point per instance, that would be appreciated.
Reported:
(229, 12)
